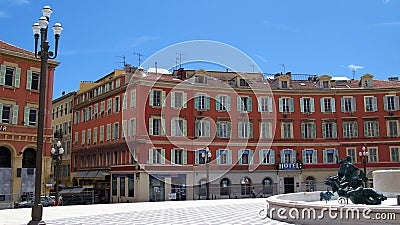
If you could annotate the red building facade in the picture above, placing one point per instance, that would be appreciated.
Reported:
(278, 135)
(19, 103)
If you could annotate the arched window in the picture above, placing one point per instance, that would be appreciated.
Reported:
(29, 158)
(268, 186)
(5, 157)
(246, 184)
(225, 186)
(310, 184)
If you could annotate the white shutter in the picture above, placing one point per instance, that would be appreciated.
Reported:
(29, 79)
(14, 115)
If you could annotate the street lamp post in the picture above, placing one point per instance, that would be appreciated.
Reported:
(364, 159)
(40, 30)
(207, 156)
(57, 157)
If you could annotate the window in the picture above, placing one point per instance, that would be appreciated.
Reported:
(178, 156)
(223, 129)
(325, 84)
(200, 157)
(394, 154)
(267, 156)
(264, 104)
(94, 160)
(116, 131)
(245, 156)
(266, 130)
(243, 83)
(224, 157)
(329, 130)
(102, 107)
(244, 104)
(115, 158)
(371, 128)
(32, 80)
(268, 186)
(287, 130)
(124, 128)
(352, 153)
(108, 159)
(77, 117)
(202, 128)
(132, 127)
(328, 105)
(156, 156)
(245, 130)
(76, 139)
(95, 111)
(122, 186)
(178, 127)
(373, 154)
(308, 130)
(109, 106)
(117, 83)
(310, 184)
(6, 113)
(350, 129)
(131, 185)
(286, 105)
(370, 104)
(83, 137)
(101, 159)
(88, 161)
(330, 155)
(10, 76)
(288, 156)
(178, 100)
(133, 99)
(307, 105)
(31, 115)
(61, 110)
(114, 185)
(310, 156)
(348, 104)
(284, 84)
(245, 186)
(101, 138)
(393, 128)
(117, 104)
(223, 103)
(391, 103)
(124, 102)
(225, 187)
(108, 135)
(157, 126)
(202, 102)
(157, 98)
(89, 136)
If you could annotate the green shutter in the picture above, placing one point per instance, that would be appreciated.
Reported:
(14, 115)
(207, 102)
(239, 104)
(228, 103)
(172, 156)
(312, 105)
(260, 156)
(217, 102)
(218, 124)
(151, 100)
(334, 130)
(229, 156)
(184, 128)
(29, 79)
(124, 125)
(376, 129)
(282, 153)
(269, 104)
(251, 155)
(315, 157)
(151, 132)
(196, 157)
(291, 102)
(17, 78)
(321, 102)
(314, 130)
(325, 156)
(184, 101)
(2, 74)
(240, 156)
(196, 128)
(365, 129)
(355, 128)
(162, 156)
(173, 128)
(163, 127)
(353, 105)
(196, 101)
(396, 103)
(293, 156)
(302, 105)
(375, 104)
(172, 99)
(150, 156)
(272, 156)
(323, 130)
(207, 128)
(250, 130)
(259, 109)
(280, 105)
(303, 132)
(342, 104)
(240, 124)
(133, 99)
(218, 157)
(333, 105)
(163, 98)
(303, 155)
(184, 161)
(249, 104)
(1, 112)
(26, 115)
(385, 103)
(228, 129)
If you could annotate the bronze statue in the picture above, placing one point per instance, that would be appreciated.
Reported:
(349, 183)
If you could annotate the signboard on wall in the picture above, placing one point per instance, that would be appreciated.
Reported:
(289, 166)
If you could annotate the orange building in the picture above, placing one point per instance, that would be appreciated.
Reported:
(19, 103)
(148, 134)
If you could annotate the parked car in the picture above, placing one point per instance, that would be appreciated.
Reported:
(44, 200)
(54, 199)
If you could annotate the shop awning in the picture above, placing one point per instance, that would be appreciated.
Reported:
(72, 190)
(92, 174)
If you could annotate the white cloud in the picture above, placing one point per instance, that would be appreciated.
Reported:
(354, 67)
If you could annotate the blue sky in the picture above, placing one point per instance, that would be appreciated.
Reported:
(309, 36)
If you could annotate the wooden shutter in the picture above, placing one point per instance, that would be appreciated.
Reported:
(2, 74)
(17, 78)
(26, 115)
(14, 114)
(29, 79)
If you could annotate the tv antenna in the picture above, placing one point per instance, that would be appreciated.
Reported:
(139, 57)
(252, 66)
(284, 68)
(123, 58)
(179, 60)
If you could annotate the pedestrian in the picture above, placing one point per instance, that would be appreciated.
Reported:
(253, 193)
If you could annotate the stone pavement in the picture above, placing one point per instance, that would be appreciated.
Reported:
(229, 211)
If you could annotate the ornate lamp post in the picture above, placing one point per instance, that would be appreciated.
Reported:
(207, 157)
(57, 157)
(364, 159)
(40, 29)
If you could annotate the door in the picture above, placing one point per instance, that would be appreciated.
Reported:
(289, 184)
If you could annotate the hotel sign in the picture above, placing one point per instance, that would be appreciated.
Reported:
(289, 166)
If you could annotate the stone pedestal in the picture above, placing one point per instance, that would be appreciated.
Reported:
(387, 182)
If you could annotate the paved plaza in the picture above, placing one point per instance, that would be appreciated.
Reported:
(230, 211)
